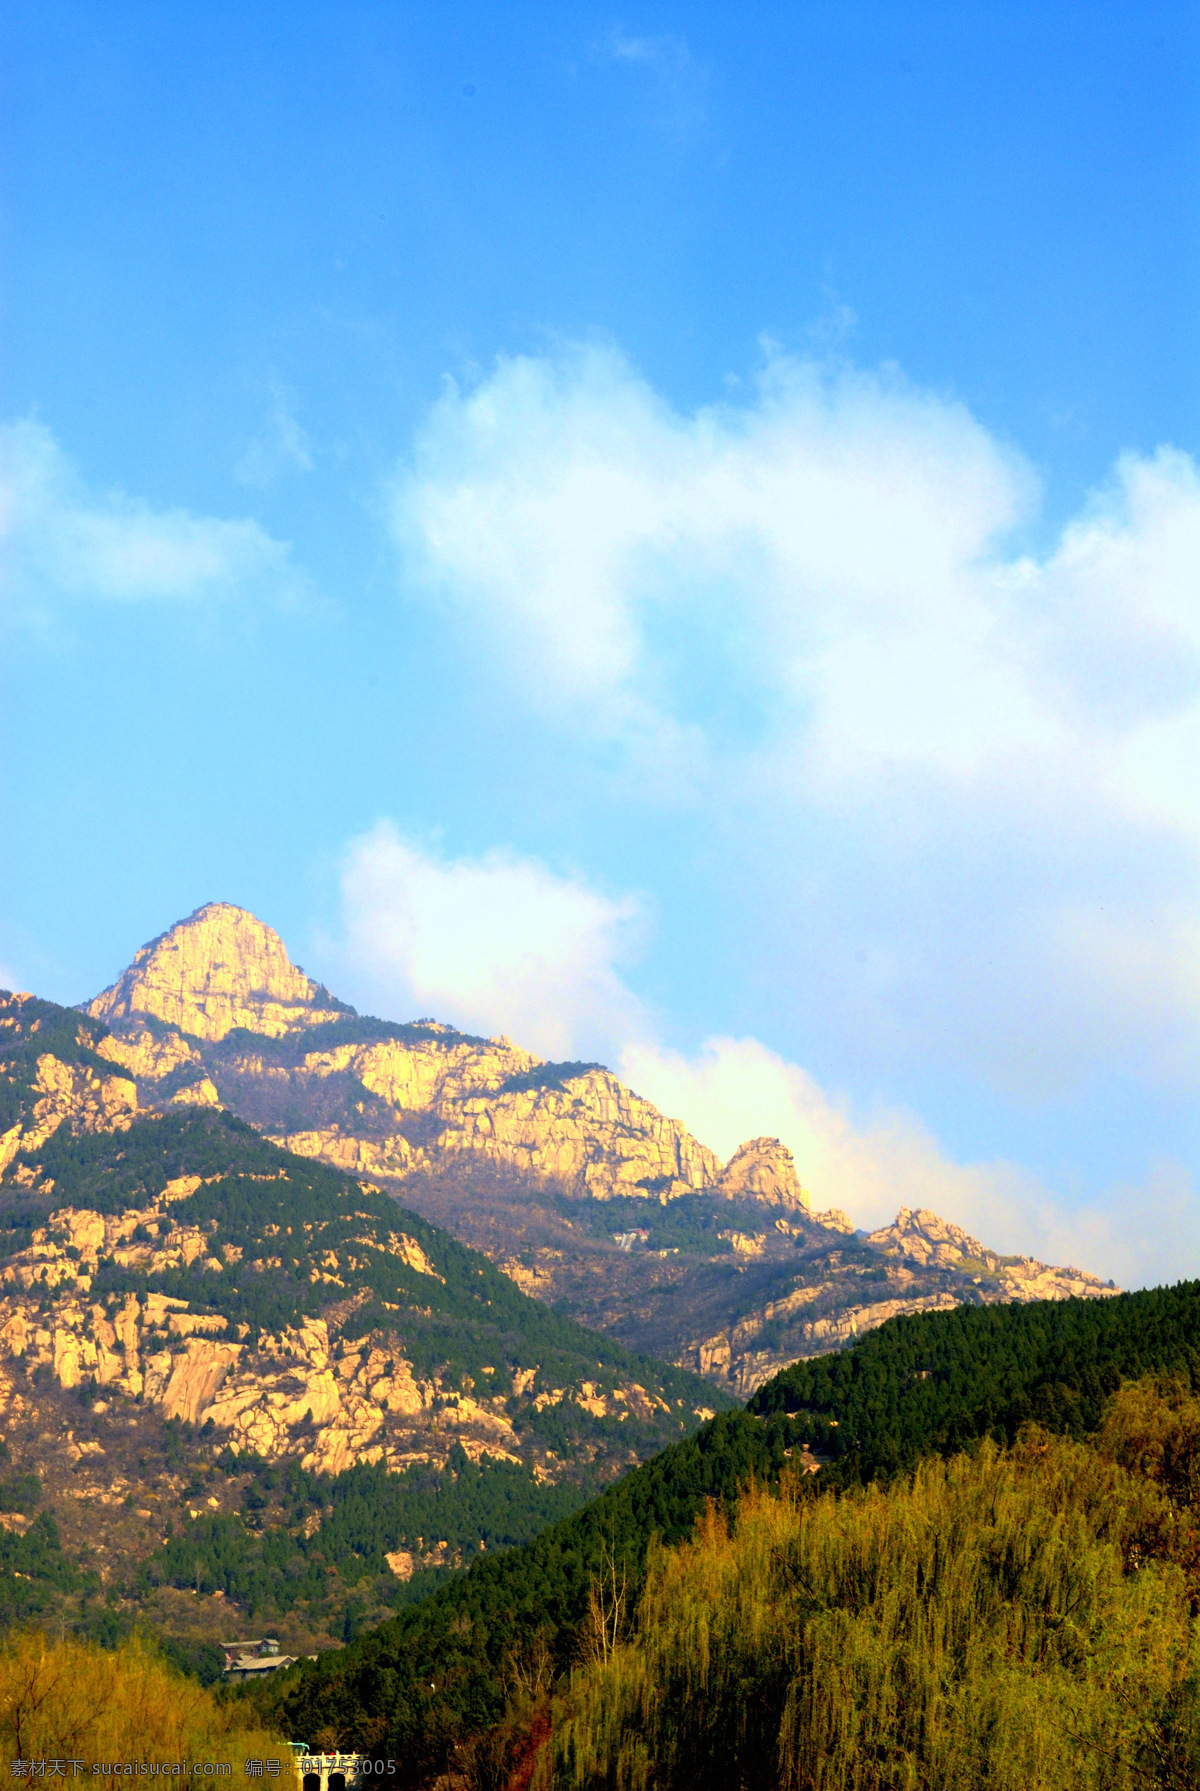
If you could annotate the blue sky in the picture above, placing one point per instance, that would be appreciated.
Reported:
(672, 534)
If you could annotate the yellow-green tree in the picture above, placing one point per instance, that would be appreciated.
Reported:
(68, 1700)
(1020, 1620)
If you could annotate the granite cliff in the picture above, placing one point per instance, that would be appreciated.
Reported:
(574, 1185)
(213, 1010)
(219, 970)
(192, 1317)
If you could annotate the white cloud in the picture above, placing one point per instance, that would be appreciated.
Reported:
(494, 944)
(849, 527)
(871, 1165)
(803, 615)
(503, 944)
(567, 506)
(62, 541)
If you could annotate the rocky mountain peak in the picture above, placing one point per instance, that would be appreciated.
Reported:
(923, 1237)
(926, 1237)
(764, 1169)
(219, 969)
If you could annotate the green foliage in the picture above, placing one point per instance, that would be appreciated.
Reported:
(198, 1660)
(34, 1569)
(364, 1514)
(110, 1172)
(550, 1076)
(936, 1381)
(477, 1632)
(690, 1222)
(20, 1493)
(350, 1029)
(1019, 1619)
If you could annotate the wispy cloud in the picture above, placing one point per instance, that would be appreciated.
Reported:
(61, 541)
(281, 447)
(678, 92)
(804, 615)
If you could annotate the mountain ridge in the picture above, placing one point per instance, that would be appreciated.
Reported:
(572, 1183)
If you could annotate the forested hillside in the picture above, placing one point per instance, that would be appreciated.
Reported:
(445, 1670)
(523, 1619)
(237, 1383)
(1020, 1619)
(932, 1382)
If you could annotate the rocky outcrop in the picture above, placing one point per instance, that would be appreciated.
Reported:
(304, 1393)
(76, 1094)
(219, 969)
(436, 1094)
(763, 1169)
(593, 1135)
(164, 1060)
(389, 1158)
(585, 1131)
(922, 1237)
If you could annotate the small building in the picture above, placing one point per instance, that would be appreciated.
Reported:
(264, 1645)
(254, 1660)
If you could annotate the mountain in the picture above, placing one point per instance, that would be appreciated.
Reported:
(581, 1191)
(254, 1364)
(231, 1368)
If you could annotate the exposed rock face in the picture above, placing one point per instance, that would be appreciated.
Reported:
(219, 969)
(741, 1360)
(592, 1135)
(923, 1238)
(164, 1060)
(406, 1105)
(436, 1093)
(303, 1393)
(73, 1090)
(765, 1169)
